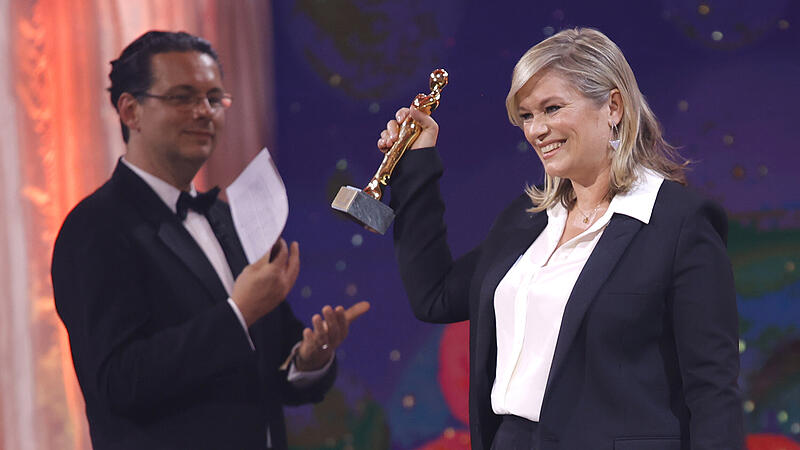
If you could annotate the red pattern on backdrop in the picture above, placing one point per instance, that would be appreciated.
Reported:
(764, 441)
(454, 369)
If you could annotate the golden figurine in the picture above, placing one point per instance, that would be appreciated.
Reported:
(365, 206)
(409, 130)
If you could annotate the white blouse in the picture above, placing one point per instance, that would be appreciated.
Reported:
(529, 301)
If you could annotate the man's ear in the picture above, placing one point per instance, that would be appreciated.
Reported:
(615, 106)
(129, 111)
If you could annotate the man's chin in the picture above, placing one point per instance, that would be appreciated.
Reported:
(196, 154)
(201, 148)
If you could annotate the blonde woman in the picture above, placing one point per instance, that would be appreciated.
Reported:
(602, 308)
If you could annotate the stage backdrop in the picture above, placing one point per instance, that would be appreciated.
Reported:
(721, 76)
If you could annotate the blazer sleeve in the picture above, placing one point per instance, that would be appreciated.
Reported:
(122, 359)
(437, 286)
(703, 304)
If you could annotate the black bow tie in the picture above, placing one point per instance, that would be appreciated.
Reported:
(201, 203)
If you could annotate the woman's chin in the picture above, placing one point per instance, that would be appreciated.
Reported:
(553, 170)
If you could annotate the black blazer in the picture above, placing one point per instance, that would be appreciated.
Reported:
(647, 354)
(161, 358)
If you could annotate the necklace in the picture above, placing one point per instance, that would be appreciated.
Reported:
(589, 216)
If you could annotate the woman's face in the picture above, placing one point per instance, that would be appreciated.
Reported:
(569, 132)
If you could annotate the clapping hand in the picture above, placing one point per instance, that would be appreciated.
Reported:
(329, 330)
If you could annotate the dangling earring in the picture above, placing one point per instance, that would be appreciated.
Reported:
(615, 134)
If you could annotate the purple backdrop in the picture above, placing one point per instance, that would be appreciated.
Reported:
(722, 76)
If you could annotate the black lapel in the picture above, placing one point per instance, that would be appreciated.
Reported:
(169, 229)
(177, 239)
(509, 246)
(601, 263)
(219, 216)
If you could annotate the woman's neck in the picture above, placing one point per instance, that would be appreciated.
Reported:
(591, 193)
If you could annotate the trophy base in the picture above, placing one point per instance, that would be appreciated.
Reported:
(363, 209)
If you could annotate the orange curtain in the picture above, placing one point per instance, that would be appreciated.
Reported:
(60, 140)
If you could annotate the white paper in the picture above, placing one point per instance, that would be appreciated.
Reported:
(259, 205)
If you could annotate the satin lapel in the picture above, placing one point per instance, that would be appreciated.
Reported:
(177, 239)
(219, 217)
(601, 263)
(169, 228)
(510, 246)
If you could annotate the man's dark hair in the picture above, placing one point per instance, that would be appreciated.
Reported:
(131, 71)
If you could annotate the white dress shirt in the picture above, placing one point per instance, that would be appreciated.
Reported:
(530, 300)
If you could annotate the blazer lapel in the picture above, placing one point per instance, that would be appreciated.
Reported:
(601, 263)
(168, 228)
(219, 217)
(177, 239)
(514, 243)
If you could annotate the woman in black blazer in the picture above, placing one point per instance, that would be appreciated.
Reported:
(602, 309)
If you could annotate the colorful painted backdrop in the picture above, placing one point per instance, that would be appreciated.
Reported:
(722, 77)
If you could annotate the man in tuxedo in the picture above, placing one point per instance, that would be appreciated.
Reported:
(176, 341)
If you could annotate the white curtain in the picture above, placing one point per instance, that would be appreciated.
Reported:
(16, 354)
(59, 140)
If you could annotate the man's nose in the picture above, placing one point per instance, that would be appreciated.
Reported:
(202, 107)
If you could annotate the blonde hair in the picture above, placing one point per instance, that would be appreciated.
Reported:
(595, 66)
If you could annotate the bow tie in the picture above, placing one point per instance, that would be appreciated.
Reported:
(201, 203)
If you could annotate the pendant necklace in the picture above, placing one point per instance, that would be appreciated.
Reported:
(588, 217)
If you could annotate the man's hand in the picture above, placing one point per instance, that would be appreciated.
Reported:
(319, 344)
(263, 285)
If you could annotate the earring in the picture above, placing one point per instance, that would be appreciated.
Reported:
(615, 133)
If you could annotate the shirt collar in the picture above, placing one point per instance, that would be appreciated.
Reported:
(166, 192)
(637, 203)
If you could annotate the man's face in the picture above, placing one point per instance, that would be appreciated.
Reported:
(178, 134)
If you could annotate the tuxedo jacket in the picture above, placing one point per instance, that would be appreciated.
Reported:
(161, 358)
(647, 353)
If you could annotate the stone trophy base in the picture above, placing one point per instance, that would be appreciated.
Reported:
(362, 208)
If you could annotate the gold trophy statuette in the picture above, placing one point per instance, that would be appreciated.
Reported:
(364, 206)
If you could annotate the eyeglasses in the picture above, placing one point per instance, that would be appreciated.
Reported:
(217, 101)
